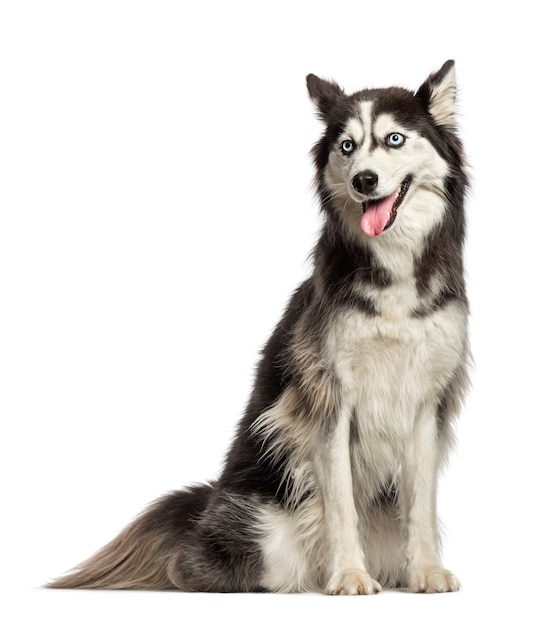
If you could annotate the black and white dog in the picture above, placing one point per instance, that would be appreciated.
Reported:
(330, 483)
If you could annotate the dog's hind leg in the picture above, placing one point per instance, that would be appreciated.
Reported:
(221, 552)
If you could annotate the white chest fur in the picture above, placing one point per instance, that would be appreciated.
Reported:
(390, 368)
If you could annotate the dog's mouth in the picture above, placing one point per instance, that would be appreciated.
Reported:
(380, 214)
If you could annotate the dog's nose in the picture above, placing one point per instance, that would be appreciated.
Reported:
(365, 181)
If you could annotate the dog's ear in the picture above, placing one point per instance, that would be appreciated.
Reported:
(439, 94)
(324, 94)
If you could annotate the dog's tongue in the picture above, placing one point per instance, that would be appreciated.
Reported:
(376, 215)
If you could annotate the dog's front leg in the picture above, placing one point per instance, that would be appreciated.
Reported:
(347, 570)
(418, 508)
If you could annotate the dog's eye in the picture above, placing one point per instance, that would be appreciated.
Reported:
(347, 146)
(395, 140)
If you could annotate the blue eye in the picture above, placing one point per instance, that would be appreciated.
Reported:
(347, 146)
(395, 140)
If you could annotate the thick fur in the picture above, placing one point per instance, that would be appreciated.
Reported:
(330, 483)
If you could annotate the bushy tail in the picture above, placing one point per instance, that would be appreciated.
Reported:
(139, 556)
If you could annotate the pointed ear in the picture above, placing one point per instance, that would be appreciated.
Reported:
(324, 94)
(439, 94)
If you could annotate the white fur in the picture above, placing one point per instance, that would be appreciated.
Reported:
(359, 127)
(390, 369)
(443, 99)
(347, 573)
(287, 550)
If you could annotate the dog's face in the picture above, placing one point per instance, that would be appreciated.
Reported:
(384, 158)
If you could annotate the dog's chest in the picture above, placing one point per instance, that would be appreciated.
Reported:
(392, 365)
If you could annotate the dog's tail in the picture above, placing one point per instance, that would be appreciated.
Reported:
(138, 558)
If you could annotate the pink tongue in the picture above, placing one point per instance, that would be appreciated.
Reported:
(376, 215)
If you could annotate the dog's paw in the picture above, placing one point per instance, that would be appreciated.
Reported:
(352, 582)
(433, 580)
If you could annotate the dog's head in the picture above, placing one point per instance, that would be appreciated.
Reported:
(388, 157)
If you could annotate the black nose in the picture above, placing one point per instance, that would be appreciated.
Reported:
(365, 181)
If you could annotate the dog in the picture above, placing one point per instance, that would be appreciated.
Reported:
(330, 482)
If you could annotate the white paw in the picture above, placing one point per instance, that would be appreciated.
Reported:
(433, 580)
(352, 582)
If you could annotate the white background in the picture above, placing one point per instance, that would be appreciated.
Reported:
(155, 213)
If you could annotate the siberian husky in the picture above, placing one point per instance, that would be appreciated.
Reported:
(330, 482)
